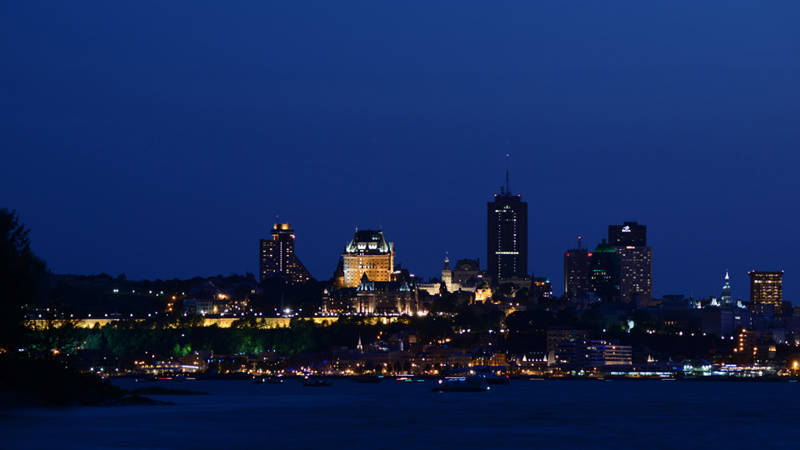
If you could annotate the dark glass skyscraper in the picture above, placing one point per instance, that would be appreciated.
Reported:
(576, 272)
(507, 239)
(604, 277)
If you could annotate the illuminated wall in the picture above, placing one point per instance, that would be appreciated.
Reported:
(367, 253)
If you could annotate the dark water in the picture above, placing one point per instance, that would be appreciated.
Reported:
(526, 414)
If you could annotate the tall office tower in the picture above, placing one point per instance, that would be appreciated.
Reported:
(604, 275)
(636, 260)
(766, 291)
(507, 238)
(367, 253)
(576, 272)
(726, 299)
(277, 257)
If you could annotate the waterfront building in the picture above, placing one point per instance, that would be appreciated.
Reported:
(576, 272)
(277, 258)
(367, 253)
(556, 336)
(766, 292)
(636, 261)
(507, 236)
(586, 353)
(604, 276)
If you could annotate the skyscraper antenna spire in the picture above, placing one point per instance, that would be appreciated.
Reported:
(508, 158)
(580, 240)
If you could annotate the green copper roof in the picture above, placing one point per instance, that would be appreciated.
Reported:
(603, 247)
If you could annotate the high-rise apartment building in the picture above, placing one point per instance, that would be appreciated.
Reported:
(766, 291)
(636, 260)
(277, 258)
(507, 236)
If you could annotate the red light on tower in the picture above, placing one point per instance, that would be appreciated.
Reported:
(590, 255)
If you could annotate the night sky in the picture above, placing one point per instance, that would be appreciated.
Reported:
(160, 139)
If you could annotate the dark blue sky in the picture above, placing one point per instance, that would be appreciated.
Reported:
(159, 139)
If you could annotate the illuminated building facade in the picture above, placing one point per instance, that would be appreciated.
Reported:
(483, 293)
(366, 282)
(577, 263)
(636, 261)
(766, 291)
(604, 275)
(726, 299)
(277, 258)
(385, 297)
(367, 253)
(592, 353)
(465, 277)
(507, 239)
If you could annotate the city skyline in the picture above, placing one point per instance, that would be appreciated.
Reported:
(271, 221)
(739, 292)
(118, 170)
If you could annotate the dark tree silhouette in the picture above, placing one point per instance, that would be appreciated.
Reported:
(21, 276)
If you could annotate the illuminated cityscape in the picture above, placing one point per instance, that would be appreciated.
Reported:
(500, 318)
(479, 225)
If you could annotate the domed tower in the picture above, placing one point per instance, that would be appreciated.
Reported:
(447, 275)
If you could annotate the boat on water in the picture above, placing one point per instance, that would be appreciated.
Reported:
(315, 382)
(267, 380)
(493, 378)
(462, 384)
(409, 378)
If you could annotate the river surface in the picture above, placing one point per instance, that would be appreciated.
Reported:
(525, 414)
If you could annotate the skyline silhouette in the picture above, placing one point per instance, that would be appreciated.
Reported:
(159, 141)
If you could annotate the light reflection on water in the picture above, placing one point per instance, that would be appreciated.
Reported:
(550, 414)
